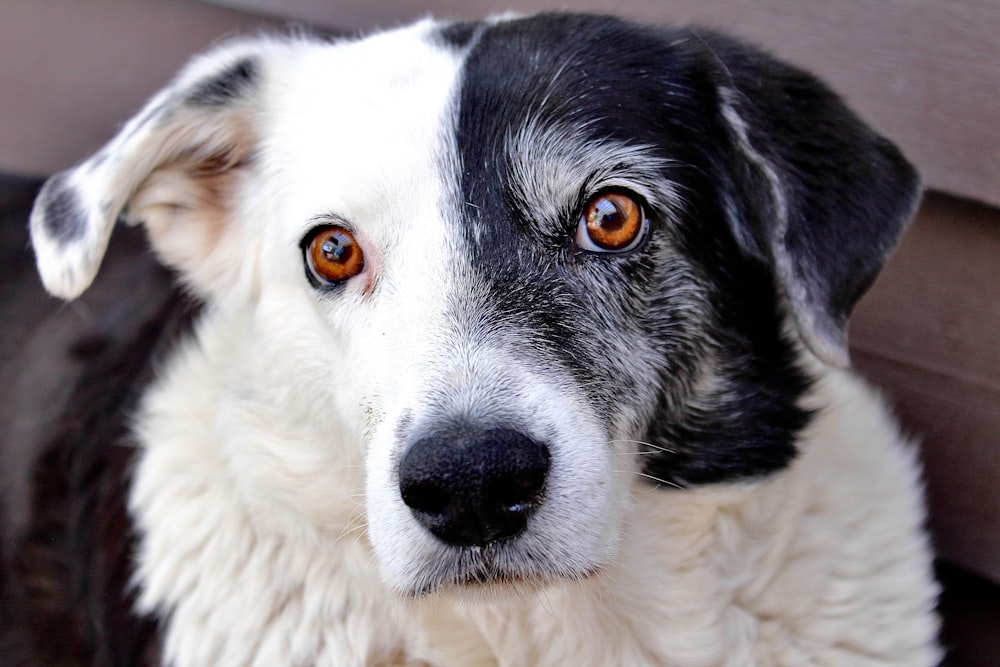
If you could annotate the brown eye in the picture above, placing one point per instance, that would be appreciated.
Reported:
(333, 256)
(611, 222)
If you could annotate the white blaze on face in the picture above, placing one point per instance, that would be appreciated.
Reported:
(361, 134)
(375, 149)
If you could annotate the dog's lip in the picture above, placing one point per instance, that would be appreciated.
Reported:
(486, 580)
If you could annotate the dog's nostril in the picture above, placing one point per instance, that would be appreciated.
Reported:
(474, 487)
(427, 498)
(516, 493)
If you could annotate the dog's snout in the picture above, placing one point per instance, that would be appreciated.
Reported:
(471, 488)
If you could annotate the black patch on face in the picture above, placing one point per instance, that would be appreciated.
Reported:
(747, 426)
(614, 81)
(64, 216)
(225, 87)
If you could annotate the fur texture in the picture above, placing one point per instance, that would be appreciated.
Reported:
(714, 487)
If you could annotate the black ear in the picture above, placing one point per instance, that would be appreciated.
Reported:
(814, 191)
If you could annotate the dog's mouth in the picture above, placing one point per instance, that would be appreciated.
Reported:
(494, 571)
(481, 578)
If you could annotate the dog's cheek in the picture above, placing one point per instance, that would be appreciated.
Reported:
(728, 409)
(292, 418)
(637, 338)
(396, 538)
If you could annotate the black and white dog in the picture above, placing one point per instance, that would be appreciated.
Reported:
(522, 343)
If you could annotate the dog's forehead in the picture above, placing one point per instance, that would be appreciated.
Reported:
(550, 110)
(567, 82)
(458, 148)
(362, 124)
(456, 101)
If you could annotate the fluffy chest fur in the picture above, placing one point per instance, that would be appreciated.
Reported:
(522, 344)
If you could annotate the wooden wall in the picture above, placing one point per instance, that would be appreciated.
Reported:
(925, 72)
(72, 71)
(929, 333)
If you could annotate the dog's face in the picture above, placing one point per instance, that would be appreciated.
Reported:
(516, 265)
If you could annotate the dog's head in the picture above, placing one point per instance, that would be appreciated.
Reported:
(506, 258)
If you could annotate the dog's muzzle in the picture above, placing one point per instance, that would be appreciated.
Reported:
(473, 487)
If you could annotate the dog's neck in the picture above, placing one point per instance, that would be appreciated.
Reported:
(250, 569)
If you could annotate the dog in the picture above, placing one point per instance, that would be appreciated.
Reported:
(520, 342)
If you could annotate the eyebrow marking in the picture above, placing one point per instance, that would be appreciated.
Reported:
(555, 168)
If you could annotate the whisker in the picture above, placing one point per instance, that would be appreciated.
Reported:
(354, 525)
(658, 448)
(546, 604)
(657, 479)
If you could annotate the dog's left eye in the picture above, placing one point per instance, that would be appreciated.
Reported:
(333, 255)
(611, 222)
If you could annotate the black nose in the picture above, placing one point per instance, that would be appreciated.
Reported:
(471, 488)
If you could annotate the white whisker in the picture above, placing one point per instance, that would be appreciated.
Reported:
(658, 448)
(658, 480)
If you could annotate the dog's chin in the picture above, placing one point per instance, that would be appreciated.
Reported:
(488, 574)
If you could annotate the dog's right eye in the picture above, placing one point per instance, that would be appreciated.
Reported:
(332, 255)
(612, 222)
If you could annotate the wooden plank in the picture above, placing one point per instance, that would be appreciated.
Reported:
(925, 72)
(928, 333)
(72, 72)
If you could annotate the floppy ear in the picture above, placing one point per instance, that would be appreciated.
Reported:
(175, 167)
(815, 192)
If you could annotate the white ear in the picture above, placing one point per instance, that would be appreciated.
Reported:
(174, 166)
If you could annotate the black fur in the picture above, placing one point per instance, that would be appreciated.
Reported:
(227, 86)
(74, 565)
(849, 192)
(612, 80)
(460, 34)
(65, 218)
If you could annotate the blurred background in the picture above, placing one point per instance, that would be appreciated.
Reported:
(924, 72)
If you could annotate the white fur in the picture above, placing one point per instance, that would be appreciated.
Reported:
(271, 527)
(778, 572)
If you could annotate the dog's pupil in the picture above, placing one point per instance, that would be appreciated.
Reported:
(609, 215)
(333, 249)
